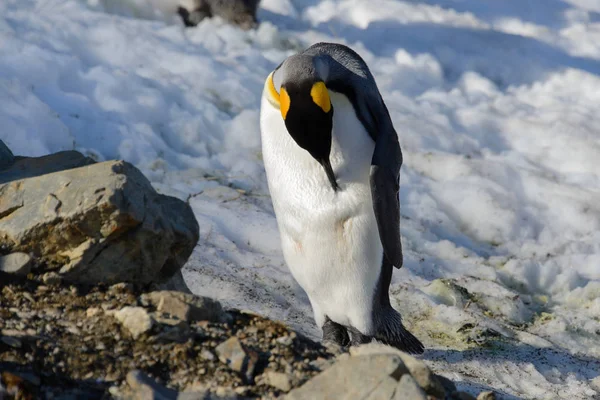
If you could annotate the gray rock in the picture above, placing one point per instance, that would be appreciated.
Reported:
(145, 388)
(16, 264)
(102, 223)
(237, 358)
(278, 380)
(28, 167)
(447, 384)
(6, 156)
(352, 378)
(409, 389)
(186, 307)
(417, 368)
(135, 319)
(176, 283)
(11, 341)
(595, 383)
(232, 353)
(385, 390)
(486, 396)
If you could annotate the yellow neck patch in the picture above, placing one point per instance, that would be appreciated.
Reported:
(284, 101)
(273, 96)
(320, 96)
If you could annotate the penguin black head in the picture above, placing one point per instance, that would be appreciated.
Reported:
(307, 112)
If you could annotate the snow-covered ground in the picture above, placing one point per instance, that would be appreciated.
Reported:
(497, 106)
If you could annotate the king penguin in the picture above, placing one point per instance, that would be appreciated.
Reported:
(332, 160)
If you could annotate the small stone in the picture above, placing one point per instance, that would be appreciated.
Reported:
(11, 341)
(595, 383)
(278, 380)
(186, 307)
(408, 388)
(486, 396)
(232, 353)
(207, 355)
(93, 311)
(145, 387)
(285, 340)
(135, 319)
(51, 278)
(121, 287)
(18, 264)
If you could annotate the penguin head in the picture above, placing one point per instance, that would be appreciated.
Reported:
(305, 106)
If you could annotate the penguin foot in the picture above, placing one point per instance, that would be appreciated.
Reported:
(393, 333)
(336, 333)
(358, 338)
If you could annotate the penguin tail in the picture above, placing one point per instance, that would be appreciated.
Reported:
(391, 332)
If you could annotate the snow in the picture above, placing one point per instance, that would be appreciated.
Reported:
(496, 106)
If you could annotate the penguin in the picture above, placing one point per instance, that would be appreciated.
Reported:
(238, 12)
(332, 161)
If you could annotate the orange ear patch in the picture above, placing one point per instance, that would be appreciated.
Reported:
(320, 96)
(284, 102)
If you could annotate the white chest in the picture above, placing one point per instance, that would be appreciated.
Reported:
(329, 239)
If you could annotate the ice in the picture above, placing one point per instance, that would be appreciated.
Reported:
(496, 106)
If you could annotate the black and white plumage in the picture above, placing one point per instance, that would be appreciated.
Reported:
(333, 160)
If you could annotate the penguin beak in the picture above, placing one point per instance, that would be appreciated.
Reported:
(329, 171)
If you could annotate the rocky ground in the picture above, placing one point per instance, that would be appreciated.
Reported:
(62, 341)
(59, 340)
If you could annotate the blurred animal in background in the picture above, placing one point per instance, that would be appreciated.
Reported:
(238, 12)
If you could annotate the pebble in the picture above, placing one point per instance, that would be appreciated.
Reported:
(486, 396)
(278, 380)
(18, 264)
(135, 319)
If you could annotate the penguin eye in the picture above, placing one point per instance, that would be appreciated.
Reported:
(320, 96)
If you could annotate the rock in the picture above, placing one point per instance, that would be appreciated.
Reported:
(409, 389)
(232, 353)
(385, 390)
(51, 278)
(103, 223)
(93, 311)
(595, 383)
(135, 319)
(447, 384)
(28, 167)
(16, 264)
(278, 380)
(145, 388)
(486, 396)
(6, 156)
(11, 341)
(418, 369)
(176, 283)
(351, 378)
(186, 307)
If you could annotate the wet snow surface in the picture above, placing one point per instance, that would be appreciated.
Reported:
(497, 109)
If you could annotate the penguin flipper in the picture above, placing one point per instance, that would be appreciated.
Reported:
(384, 181)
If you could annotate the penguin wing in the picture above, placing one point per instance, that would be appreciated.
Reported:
(384, 180)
